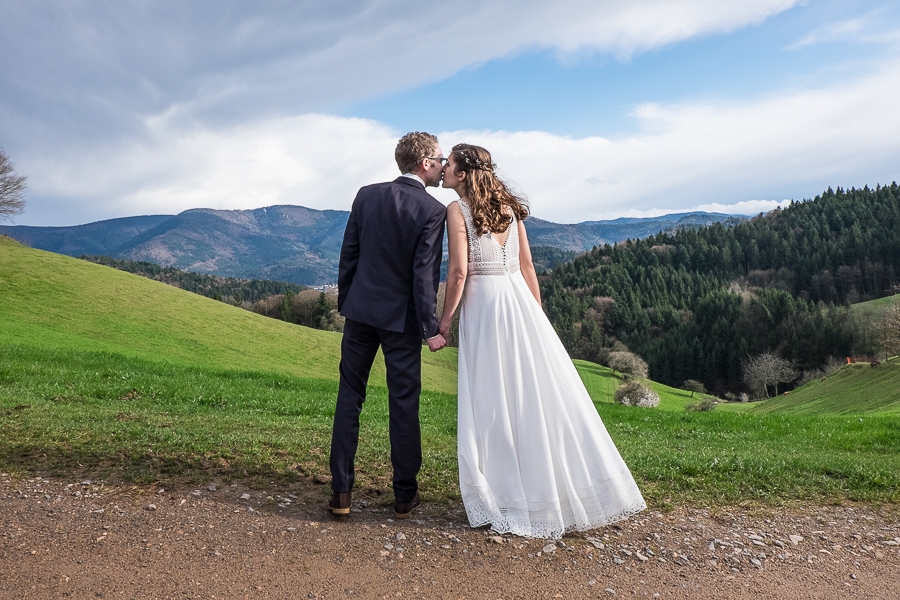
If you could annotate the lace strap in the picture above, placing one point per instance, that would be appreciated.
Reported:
(470, 228)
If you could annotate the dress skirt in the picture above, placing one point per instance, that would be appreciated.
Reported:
(534, 456)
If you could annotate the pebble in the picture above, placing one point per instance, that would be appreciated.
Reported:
(211, 488)
(496, 539)
(388, 546)
(756, 562)
(151, 507)
(641, 557)
(245, 496)
(610, 591)
(890, 543)
(86, 482)
(779, 543)
(401, 536)
(795, 539)
(549, 548)
(195, 493)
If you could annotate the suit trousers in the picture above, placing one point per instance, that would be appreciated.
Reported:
(403, 363)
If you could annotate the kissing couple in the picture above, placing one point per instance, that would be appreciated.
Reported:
(534, 457)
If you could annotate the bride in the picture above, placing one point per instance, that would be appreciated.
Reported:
(534, 457)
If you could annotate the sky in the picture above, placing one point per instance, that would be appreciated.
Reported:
(593, 109)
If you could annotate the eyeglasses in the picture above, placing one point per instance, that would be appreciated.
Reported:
(440, 159)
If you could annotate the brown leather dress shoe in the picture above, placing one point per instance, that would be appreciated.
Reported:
(403, 510)
(340, 503)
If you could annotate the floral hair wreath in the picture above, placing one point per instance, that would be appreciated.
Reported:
(476, 163)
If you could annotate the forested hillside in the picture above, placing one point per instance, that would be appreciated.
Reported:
(695, 303)
(227, 289)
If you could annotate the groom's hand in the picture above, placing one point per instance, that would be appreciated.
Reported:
(436, 343)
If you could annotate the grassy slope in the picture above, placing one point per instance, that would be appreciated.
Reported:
(59, 302)
(857, 389)
(601, 383)
(125, 375)
(873, 309)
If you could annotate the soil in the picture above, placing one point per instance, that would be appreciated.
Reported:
(81, 539)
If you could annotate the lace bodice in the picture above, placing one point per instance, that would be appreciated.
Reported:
(486, 255)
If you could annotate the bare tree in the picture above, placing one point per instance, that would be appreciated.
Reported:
(890, 329)
(12, 188)
(767, 369)
(628, 364)
(692, 385)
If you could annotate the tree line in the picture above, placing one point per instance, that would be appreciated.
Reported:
(696, 303)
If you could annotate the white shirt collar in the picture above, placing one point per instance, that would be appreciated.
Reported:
(414, 176)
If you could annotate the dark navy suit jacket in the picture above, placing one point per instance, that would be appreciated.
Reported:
(391, 258)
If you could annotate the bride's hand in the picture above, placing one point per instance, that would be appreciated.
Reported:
(444, 328)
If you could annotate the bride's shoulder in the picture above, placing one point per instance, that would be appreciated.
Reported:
(457, 205)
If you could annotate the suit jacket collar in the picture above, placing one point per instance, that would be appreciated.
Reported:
(408, 181)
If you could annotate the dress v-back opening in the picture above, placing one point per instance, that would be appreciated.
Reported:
(505, 238)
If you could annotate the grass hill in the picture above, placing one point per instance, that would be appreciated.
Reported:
(872, 310)
(857, 389)
(58, 302)
(109, 374)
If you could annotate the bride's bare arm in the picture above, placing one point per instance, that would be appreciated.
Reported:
(458, 248)
(526, 264)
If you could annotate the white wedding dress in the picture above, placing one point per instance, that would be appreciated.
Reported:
(534, 457)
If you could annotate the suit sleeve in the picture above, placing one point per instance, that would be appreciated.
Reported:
(427, 272)
(349, 256)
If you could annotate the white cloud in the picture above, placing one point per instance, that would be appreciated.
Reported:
(832, 32)
(712, 156)
(312, 160)
(229, 61)
(713, 153)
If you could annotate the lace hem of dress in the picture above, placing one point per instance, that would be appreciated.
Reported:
(577, 511)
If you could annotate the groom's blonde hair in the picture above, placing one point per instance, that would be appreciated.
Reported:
(412, 148)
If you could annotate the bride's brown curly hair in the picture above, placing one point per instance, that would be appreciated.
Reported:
(490, 200)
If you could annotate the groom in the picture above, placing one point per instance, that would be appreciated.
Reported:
(387, 291)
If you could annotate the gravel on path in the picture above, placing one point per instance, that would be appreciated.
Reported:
(89, 539)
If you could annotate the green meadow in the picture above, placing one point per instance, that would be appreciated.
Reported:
(108, 374)
(873, 310)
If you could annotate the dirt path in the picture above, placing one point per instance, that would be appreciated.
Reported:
(88, 540)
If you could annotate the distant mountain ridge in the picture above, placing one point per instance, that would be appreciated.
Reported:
(290, 243)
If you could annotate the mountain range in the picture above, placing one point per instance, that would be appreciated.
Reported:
(290, 243)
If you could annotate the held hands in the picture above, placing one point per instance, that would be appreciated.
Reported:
(436, 343)
(444, 328)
